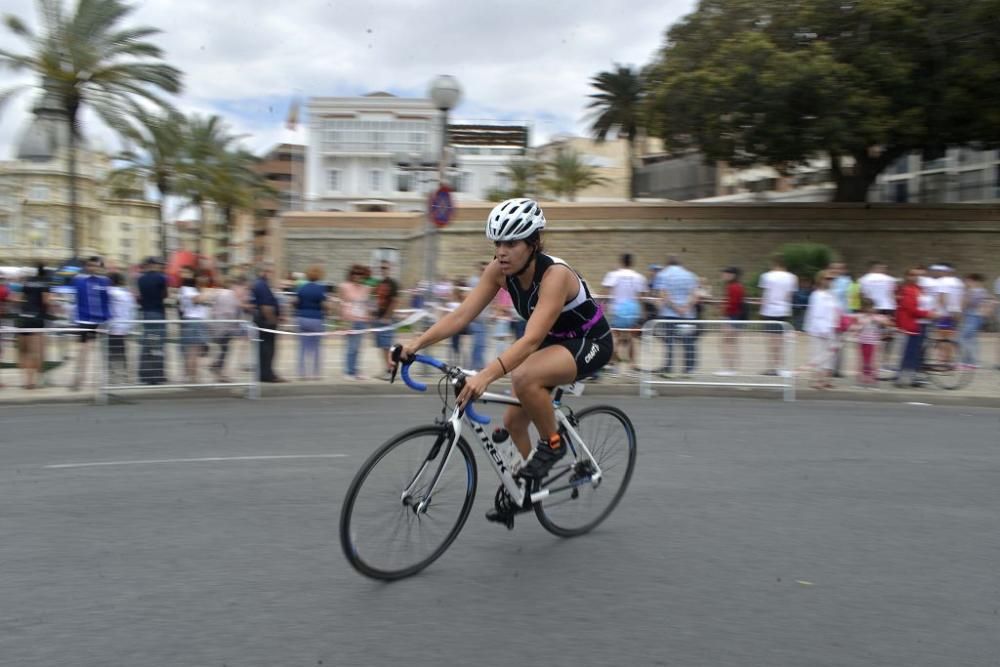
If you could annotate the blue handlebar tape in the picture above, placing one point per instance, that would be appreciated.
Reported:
(471, 413)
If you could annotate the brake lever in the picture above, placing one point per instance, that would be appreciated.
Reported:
(394, 354)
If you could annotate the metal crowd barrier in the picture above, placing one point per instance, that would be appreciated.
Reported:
(320, 355)
(717, 353)
(59, 361)
(177, 354)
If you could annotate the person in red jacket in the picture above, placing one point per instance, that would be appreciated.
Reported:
(908, 316)
(735, 311)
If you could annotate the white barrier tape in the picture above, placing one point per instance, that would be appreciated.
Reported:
(415, 317)
(52, 330)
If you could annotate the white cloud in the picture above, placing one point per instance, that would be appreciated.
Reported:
(524, 59)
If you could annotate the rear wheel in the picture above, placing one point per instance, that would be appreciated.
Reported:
(610, 437)
(389, 527)
(942, 364)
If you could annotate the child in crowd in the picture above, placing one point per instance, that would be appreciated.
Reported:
(867, 329)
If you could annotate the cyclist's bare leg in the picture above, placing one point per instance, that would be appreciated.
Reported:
(549, 367)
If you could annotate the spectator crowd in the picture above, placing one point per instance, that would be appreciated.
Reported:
(887, 319)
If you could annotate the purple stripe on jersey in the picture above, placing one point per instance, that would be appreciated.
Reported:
(586, 326)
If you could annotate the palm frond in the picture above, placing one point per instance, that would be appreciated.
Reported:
(18, 27)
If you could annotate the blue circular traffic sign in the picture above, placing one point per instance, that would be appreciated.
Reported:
(441, 206)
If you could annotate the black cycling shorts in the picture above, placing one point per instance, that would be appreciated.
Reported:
(590, 354)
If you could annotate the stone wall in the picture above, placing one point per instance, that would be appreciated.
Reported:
(706, 237)
(339, 240)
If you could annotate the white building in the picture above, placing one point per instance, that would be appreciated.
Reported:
(380, 153)
(955, 175)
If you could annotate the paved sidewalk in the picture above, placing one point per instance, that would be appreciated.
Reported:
(984, 389)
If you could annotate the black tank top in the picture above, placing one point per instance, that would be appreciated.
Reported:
(581, 317)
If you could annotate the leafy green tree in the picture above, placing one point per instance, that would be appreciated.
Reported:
(568, 174)
(86, 57)
(806, 259)
(618, 106)
(862, 82)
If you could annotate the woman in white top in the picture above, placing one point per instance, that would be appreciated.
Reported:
(122, 307)
(195, 302)
(822, 321)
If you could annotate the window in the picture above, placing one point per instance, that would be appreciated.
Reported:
(126, 243)
(463, 182)
(283, 178)
(501, 180)
(900, 192)
(67, 236)
(404, 182)
(126, 227)
(6, 232)
(39, 193)
(375, 180)
(333, 180)
(39, 232)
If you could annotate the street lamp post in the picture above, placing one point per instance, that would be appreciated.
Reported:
(445, 93)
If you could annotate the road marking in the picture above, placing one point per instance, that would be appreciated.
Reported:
(919, 403)
(207, 459)
(804, 583)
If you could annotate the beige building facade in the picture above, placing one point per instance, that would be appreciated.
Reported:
(609, 159)
(35, 210)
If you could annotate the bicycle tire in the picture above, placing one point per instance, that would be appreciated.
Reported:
(548, 510)
(364, 558)
(947, 375)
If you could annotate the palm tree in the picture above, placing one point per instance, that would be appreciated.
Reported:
(237, 186)
(87, 58)
(153, 157)
(618, 105)
(524, 174)
(569, 174)
(205, 144)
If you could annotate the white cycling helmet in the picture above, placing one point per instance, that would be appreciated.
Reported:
(514, 220)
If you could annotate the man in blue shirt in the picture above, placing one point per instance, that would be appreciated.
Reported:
(265, 316)
(92, 310)
(677, 288)
(152, 292)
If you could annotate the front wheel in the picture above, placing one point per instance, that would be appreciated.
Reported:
(408, 503)
(609, 435)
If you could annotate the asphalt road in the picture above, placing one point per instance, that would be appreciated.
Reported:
(754, 533)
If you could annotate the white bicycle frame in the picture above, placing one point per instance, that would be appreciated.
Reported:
(516, 487)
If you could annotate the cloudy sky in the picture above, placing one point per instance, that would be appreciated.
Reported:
(516, 59)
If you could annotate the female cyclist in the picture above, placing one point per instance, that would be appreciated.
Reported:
(566, 337)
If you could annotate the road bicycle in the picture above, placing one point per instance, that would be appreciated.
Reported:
(410, 499)
(941, 363)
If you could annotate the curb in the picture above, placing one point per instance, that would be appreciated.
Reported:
(305, 390)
